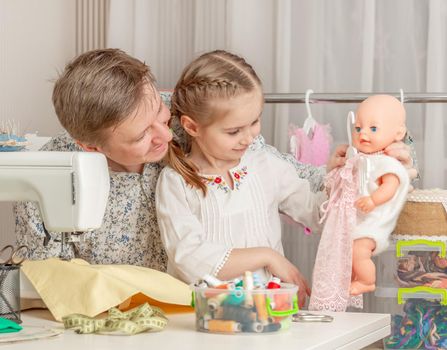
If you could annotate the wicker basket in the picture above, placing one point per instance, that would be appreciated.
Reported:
(424, 214)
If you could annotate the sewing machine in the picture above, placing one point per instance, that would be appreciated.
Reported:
(71, 188)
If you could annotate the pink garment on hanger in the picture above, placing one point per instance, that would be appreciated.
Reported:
(313, 149)
(333, 265)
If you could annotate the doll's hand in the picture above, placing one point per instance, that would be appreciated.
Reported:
(281, 267)
(338, 158)
(365, 204)
(402, 153)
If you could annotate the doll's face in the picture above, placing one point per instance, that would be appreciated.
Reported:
(380, 121)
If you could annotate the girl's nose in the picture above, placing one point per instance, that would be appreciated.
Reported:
(247, 140)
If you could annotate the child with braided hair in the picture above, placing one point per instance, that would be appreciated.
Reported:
(218, 201)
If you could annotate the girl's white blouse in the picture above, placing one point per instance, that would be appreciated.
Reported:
(199, 231)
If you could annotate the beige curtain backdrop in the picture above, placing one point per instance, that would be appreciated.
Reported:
(325, 45)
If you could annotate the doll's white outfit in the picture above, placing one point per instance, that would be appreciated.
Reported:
(200, 231)
(379, 223)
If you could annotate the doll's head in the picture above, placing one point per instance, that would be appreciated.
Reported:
(379, 121)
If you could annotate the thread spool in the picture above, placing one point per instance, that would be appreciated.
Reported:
(236, 297)
(275, 283)
(239, 314)
(248, 285)
(222, 326)
(261, 308)
(271, 327)
(216, 301)
(257, 281)
(254, 327)
(212, 281)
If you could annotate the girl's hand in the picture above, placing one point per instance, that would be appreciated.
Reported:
(402, 153)
(337, 159)
(280, 267)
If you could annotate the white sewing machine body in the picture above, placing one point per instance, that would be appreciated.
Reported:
(71, 188)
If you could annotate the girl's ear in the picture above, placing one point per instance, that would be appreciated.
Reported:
(190, 125)
(87, 147)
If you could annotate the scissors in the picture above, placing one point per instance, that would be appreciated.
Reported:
(308, 317)
(16, 254)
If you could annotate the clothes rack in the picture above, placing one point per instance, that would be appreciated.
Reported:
(354, 97)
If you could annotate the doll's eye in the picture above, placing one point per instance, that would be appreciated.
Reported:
(357, 129)
(373, 128)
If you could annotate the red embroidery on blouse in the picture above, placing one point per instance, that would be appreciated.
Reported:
(219, 182)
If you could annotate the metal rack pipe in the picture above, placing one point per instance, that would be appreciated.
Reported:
(354, 97)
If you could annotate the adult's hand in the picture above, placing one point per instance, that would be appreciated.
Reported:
(402, 152)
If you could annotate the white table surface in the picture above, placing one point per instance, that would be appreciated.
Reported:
(347, 331)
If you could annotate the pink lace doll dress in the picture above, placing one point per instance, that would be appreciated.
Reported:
(333, 265)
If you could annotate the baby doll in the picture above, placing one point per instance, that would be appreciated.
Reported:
(380, 121)
(366, 196)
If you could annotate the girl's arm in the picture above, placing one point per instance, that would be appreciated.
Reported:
(292, 194)
(191, 254)
(251, 259)
(245, 259)
(315, 175)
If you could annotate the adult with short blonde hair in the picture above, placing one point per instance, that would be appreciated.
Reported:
(108, 102)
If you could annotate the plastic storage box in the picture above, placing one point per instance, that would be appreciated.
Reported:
(244, 311)
(421, 263)
(411, 263)
(411, 282)
(421, 322)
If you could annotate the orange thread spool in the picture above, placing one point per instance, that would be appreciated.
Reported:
(261, 308)
(223, 326)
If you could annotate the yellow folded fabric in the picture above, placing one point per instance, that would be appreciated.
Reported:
(75, 286)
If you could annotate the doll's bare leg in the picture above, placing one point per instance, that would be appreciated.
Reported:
(363, 268)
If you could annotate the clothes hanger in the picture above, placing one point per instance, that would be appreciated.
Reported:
(364, 165)
(350, 121)
(310, 122)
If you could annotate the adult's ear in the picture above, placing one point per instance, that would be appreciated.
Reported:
(190, 125)
(88, 147)
(401, 133)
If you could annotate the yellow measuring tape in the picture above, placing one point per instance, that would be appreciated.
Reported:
(140, 319)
